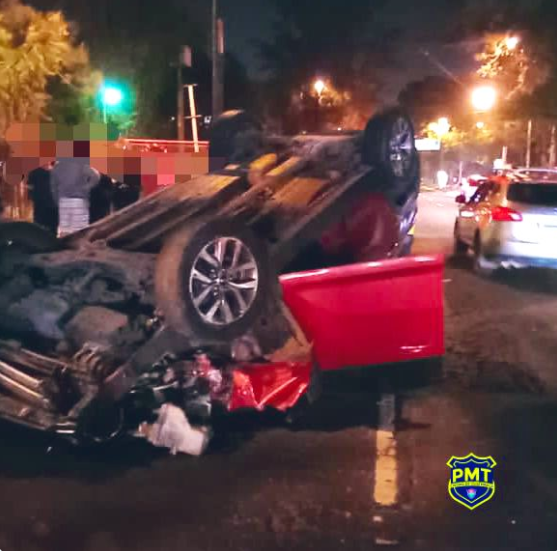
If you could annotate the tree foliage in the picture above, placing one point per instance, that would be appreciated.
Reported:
(332, 39)
(513, 67)
(433, 97)
(139, 41)
(36, 49)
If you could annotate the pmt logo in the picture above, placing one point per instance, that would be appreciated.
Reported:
(471, 483)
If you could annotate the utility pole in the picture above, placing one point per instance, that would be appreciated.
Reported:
(553, 146)
(217, 55)
(180, 114)
(529, 144)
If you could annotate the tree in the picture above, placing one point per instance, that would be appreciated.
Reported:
(511, 65)
(139, 42)
(37, 49)
(333, 39)
(433, 97)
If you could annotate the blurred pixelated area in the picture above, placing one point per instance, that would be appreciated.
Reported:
(148, 163)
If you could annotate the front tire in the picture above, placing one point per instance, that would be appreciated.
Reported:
(460, 248)
(26, 238)
(212, 280)
(235, 138)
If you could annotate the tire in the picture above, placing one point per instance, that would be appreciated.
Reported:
(480, 264)
(460, 248)
(235, 138)
(27, 238)
(390, 134)
(100, 424)
(182, 296)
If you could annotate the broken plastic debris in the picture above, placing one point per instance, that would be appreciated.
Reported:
(172, 430)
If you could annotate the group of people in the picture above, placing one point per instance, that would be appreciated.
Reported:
(69, 194)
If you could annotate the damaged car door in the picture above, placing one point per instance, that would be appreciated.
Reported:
(371, 313)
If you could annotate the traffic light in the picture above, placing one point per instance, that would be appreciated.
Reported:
(115, 100)
(111, 96)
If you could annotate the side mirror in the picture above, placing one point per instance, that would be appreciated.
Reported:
(461, 199)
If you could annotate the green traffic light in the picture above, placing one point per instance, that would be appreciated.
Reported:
(112, 96)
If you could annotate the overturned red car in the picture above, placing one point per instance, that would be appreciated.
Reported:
(145, 320)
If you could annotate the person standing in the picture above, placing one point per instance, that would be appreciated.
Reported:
(45, 208)
(72, 180)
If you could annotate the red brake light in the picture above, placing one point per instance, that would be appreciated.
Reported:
(505, 214)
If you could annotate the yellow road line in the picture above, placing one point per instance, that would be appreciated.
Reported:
(385, 491)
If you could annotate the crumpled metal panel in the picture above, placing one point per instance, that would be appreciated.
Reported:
(274, 385)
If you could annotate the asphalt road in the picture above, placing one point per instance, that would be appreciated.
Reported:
(366, 469)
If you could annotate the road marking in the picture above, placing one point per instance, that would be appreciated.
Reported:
(385, 491)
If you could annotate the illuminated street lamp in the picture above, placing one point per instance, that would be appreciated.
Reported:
(511, 42)
(111, 96)
(441, 127)
(319, 86)
(484, 98)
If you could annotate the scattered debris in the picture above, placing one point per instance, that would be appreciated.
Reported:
(172, 430)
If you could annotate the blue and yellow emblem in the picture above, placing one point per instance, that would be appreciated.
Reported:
(471, 483)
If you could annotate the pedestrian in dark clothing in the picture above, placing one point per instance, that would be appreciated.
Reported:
(100, 199)
(45, 207)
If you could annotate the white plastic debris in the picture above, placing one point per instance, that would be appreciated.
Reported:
(172, 430)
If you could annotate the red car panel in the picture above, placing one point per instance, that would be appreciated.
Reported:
(277, 385)
(370, 313)
(369, 231)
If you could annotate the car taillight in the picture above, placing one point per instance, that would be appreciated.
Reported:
(505, 214)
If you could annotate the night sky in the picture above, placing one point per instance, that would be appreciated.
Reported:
(422, 24)
(246, 21)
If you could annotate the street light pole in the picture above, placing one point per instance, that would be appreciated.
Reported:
(181, 108)
(529, 144)
(217, 54)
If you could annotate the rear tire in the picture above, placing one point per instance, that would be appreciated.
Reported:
(389, 146)
(204, 297)
(481, 266)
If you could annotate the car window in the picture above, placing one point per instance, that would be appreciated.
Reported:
(539, 175)
(533, 194)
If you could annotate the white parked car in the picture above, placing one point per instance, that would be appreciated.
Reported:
(508, 223)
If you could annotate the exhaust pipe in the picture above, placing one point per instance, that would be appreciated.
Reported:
(25, 387)
(22, 413)
(42, 365)
(22, 378)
